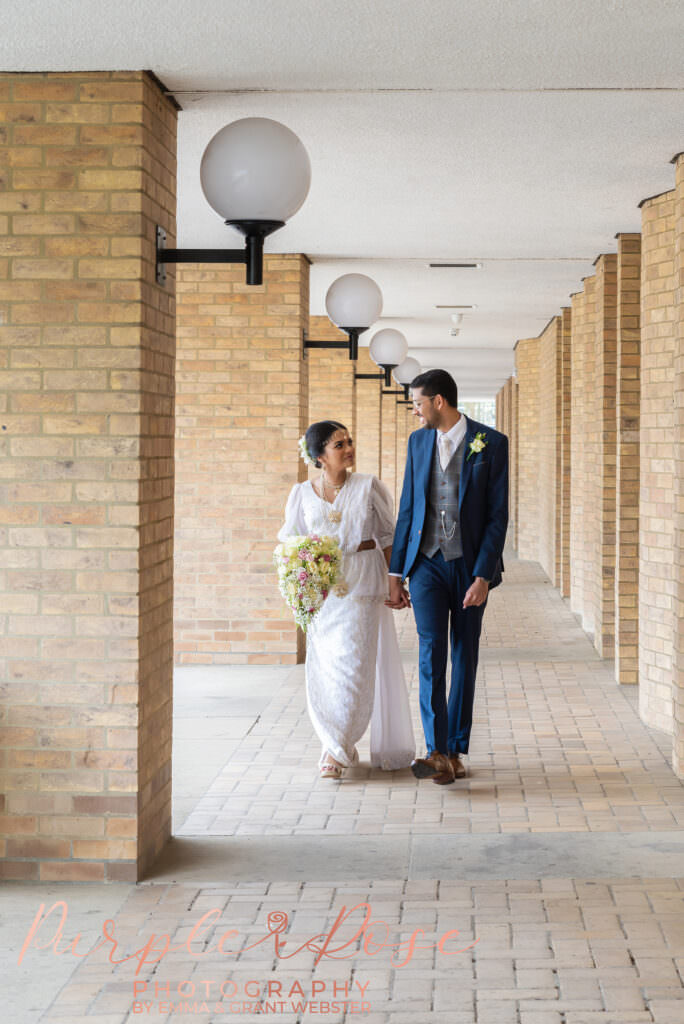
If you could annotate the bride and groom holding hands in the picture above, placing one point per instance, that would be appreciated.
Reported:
(448, 541)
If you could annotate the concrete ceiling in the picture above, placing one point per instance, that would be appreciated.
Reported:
(520, 134)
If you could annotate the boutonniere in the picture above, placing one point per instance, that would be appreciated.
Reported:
(478, 444)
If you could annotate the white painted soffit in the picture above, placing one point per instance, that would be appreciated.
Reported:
(519, 133)
(355, 44)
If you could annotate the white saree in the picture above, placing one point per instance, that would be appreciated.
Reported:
(354, 673)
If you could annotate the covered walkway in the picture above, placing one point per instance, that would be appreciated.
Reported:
(559, 856)
(557, 746)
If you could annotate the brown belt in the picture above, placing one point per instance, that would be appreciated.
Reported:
(366, 545)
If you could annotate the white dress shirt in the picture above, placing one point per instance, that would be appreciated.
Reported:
(451, 439)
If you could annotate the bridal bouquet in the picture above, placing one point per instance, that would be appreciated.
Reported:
(308, 569)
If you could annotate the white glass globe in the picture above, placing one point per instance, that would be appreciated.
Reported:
(388, 347)
(353, 300)
(406, 371)
(255, 169)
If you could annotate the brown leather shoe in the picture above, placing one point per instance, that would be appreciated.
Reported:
(459, 771)
(432, 765)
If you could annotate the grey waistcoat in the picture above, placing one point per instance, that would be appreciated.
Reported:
(443, 494)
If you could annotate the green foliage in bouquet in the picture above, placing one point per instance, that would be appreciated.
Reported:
(309, 568)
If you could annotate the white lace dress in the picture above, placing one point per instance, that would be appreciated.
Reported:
(354, 673)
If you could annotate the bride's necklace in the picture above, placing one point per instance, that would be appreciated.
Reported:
(331, 514)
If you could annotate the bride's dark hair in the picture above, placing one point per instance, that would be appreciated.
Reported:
(318, 435)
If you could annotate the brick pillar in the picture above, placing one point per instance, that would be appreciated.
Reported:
(565, 449)
(584, 454)
(513, 459)
(606, 356)
(627, 460)
(242, 403)
(368, 416)
(657, 427)
(548, 448)
(527, 372)
(507, 428)
(388, 454)
(406, 423)
(332, 383)
(499, 410)
(506, 407)
(88, 382)
(678, 560)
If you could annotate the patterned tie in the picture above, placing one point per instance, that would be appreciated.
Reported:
(444, 450)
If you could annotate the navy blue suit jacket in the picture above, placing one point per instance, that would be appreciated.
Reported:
(483, 502)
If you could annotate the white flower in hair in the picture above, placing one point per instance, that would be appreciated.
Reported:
(304, 451)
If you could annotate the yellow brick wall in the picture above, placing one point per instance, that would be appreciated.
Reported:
(583, 455)
(368, 416)
(565, 446)
(241, 404)
(605, 343)
(508, 413)
(547, 452)
(514, 459)
(527, 374)
(656, 506)
(332, 384)
(388, 442)
(88, 170)
(678, 560)
(627, 459)
(406, 424)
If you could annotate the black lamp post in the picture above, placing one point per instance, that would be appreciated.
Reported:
(256, 174)
(353, 302)
(388, 348)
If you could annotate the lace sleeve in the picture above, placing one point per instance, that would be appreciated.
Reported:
(294, 516)
(383, 513)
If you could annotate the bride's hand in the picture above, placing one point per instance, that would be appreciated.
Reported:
(398, 594)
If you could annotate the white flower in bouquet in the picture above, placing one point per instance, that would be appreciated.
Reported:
(309, 568)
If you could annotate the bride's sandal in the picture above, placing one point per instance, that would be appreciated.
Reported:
(331, 770)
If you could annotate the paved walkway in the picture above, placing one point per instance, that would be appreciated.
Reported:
(558, 861)
(557, 746)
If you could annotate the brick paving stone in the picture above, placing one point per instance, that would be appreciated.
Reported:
(557, 746)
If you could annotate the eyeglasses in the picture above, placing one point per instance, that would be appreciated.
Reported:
(417, 404)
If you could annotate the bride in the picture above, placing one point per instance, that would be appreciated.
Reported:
(353, 668)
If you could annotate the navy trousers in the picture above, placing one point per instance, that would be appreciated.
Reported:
(437, 591)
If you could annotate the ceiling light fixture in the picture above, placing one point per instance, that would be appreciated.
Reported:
(256, 174)
(456, 307)
(455, 266)
(406, 372)
(388, 349)
(353, 303)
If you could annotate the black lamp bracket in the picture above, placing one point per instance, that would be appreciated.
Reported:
(252, 255)
(388, 367)
(309, 343)
(352, 344)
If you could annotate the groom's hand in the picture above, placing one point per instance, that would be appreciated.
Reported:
(476, 594)
(398, 594)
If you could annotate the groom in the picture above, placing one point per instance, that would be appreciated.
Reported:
(449, 539)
